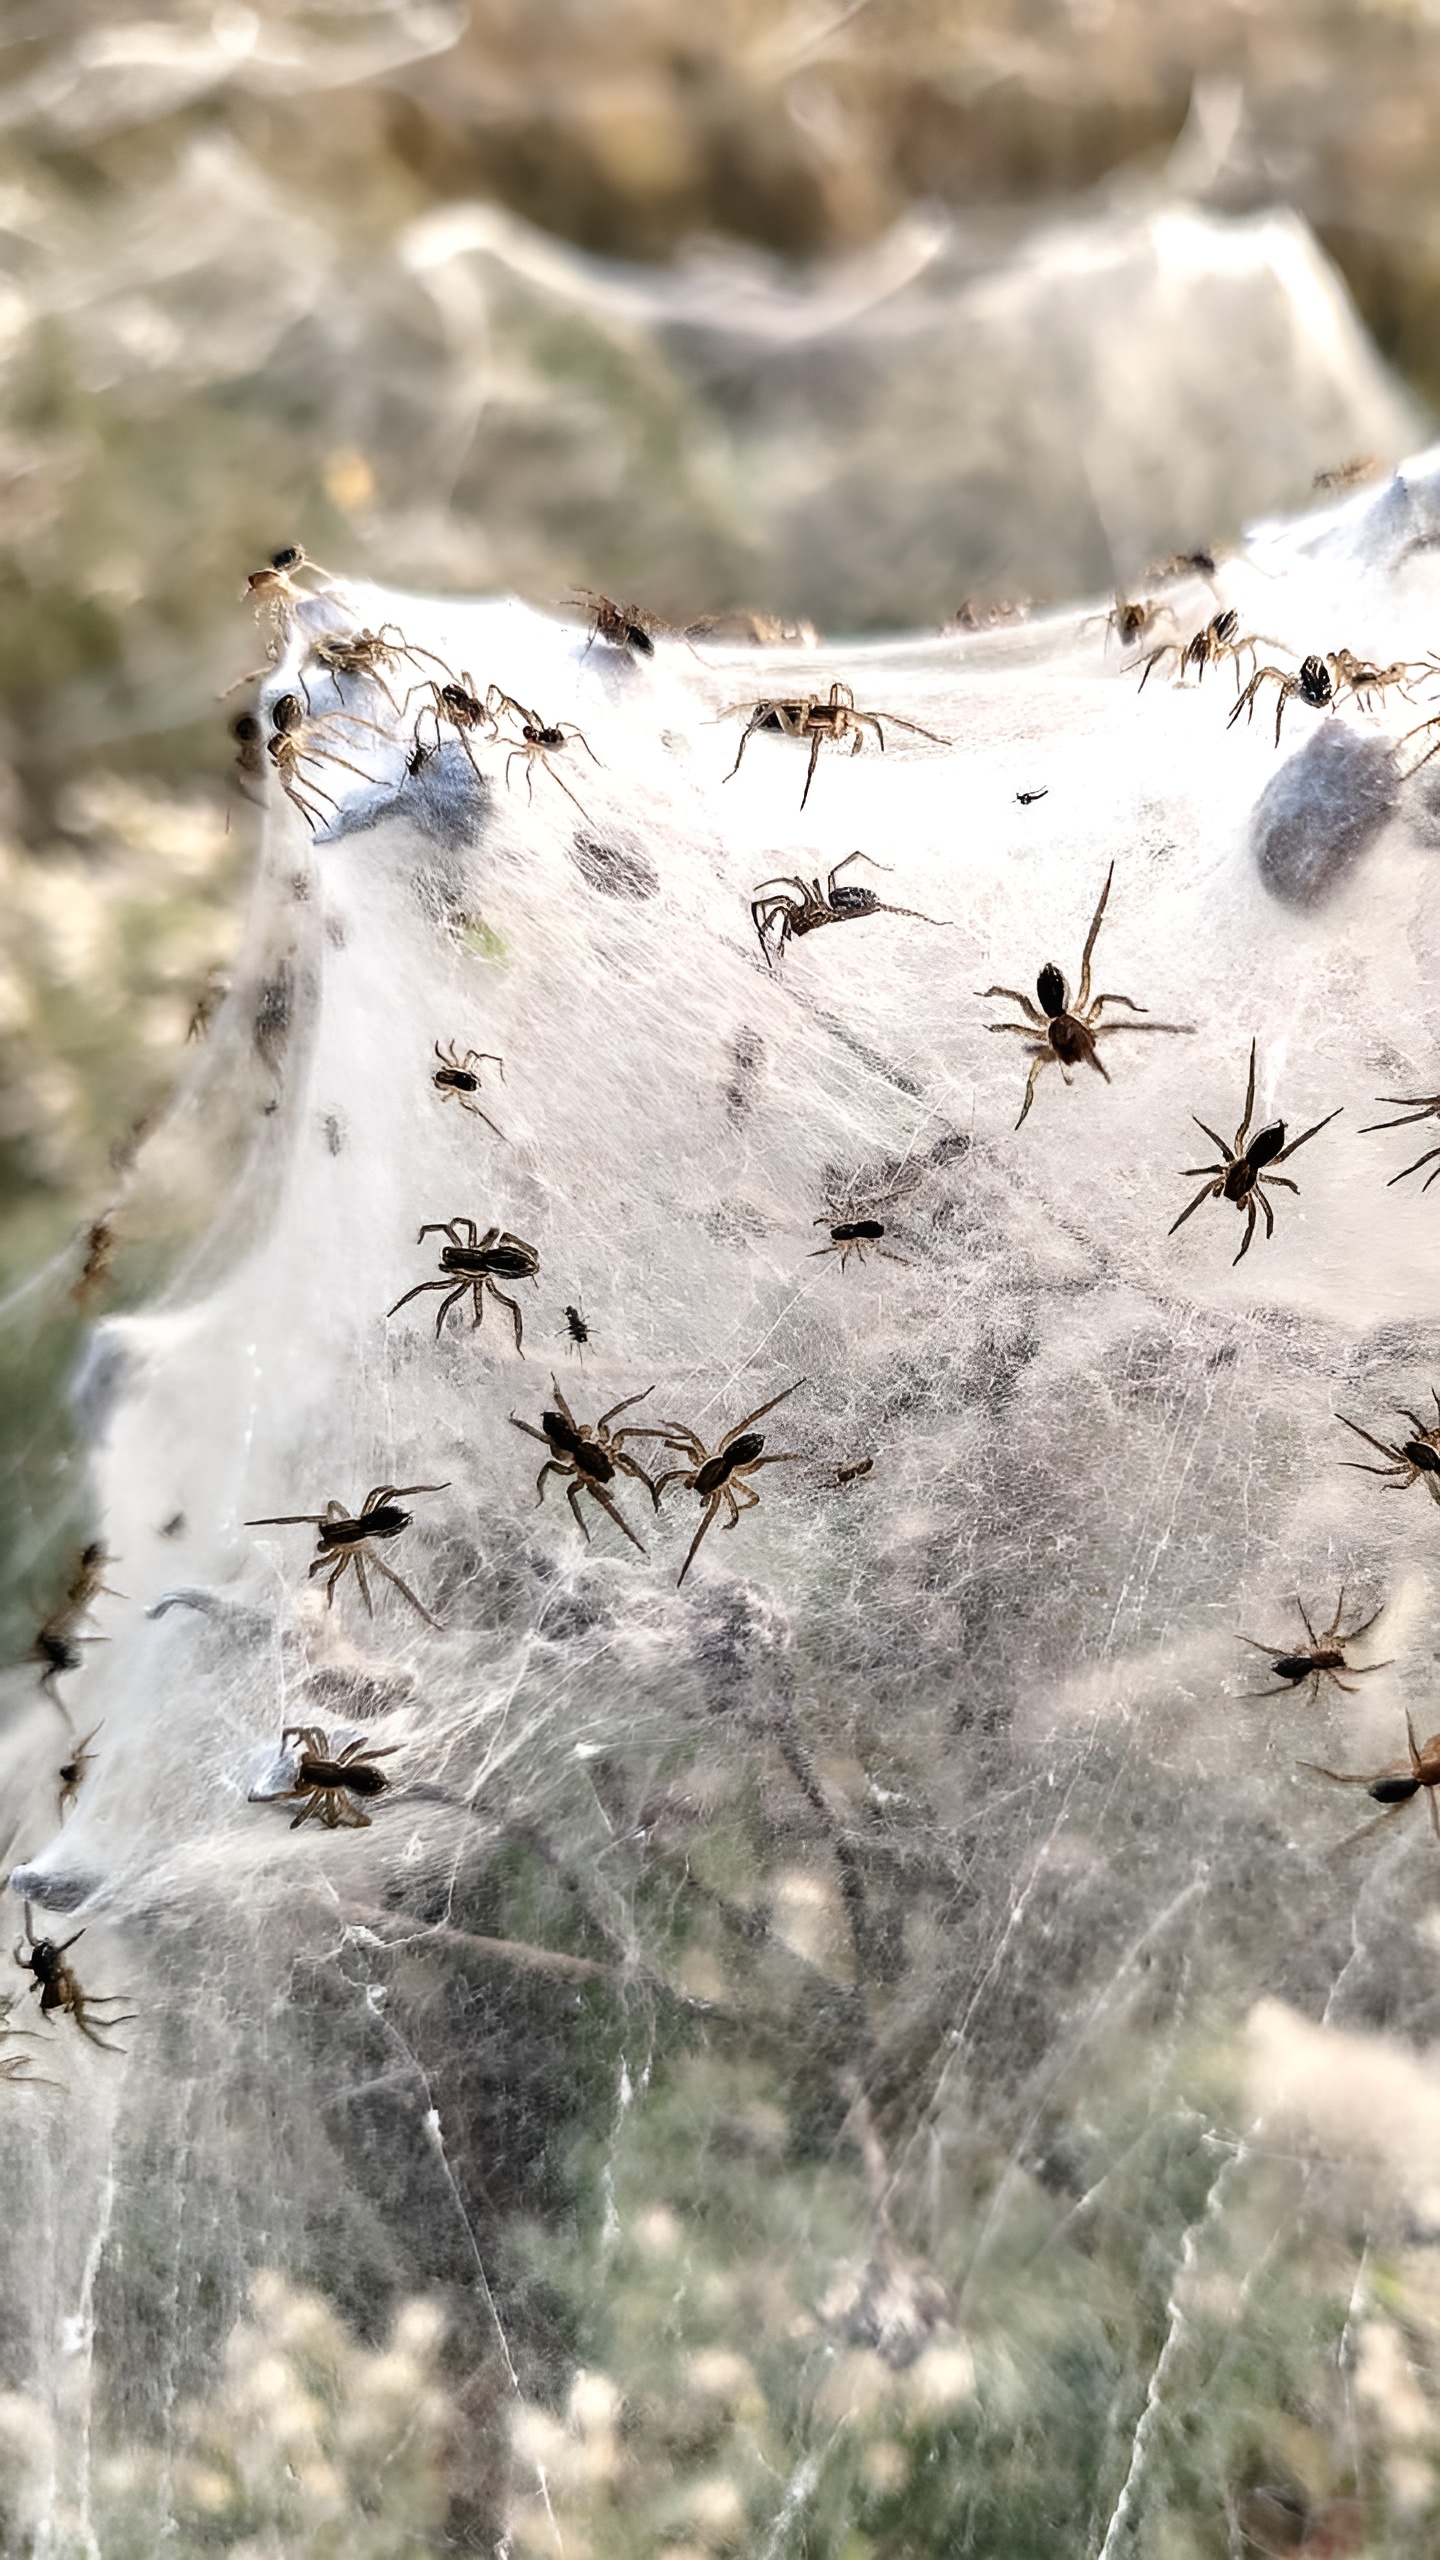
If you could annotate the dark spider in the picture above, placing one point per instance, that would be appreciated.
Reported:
(453, 1075)
(539, 740)
(249, 739)
(342, 1534)
(813, 906)
(458, 706)
(1205, 648)
(56, 1644)
(1396, 1786)
(55, 1981)
(625, 626)
(71, 1773)
(1325, 1660)
(288, 749)
(475, 1262)
(589, 1453)
(1241, 1177)
(1408, 1463)
(324, 1786)
(1315, 685)
(1060, 1034)
(806, 716)
(717, 1475)
(1420, 1106)
(858, 1236)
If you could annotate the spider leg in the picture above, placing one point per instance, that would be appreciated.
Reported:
(618, 1517)
(1030, 1011)
(711, 1508)
(1286, 1689)
(419, 1291)
(815, 745)
(1027, 1030)
(1083, 997)
(1312, 1132)
(731, 1493)
(632, 1467)
(552, 1466)
(1330, 1630)
(1415, 1167)
(1417, 1109)
(565, 787)
(312, 1809)
(862, 857)
(1249, 1106)
(466, 1104)
(621, 1407)
(1215, 1139)
(360, 1575)
(515, 1315)
(1249, 1231)
(572, 1496)
(1281, 1181)
(392, 1576)
(345, 1560)
(304, 1519)
(1209, 1193)
(447, 1303)
(760, 713)
(1363, 1629)
(1043, 1058)
(1186, 1170)
(758, 1415)
(1264, 1204)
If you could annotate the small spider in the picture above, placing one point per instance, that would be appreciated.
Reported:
(1412, 1462)
(1060, 1034)
(625, 626)
(325, 1787)
(1393, 1787)
(55, 1981)
(274, 594)
(1420, 1106)
(718, 1475)
(288, 749)
(1132, 620)
(249, 739)
(341, 1536)
(372, 654)
(858, 1236)
(1205, 648)
(1363, 679)
(539, 740)
(850, 1472)
(807, 716)
(1242, 1176)
(207, 1004)
(453, 1075)
(455, 705)
(813, 906)
(475, 1262)
(1325, 1660)
(56, 1643)
(1315, 684)
(589, 1453)
(71, 1773)
(577, 1331)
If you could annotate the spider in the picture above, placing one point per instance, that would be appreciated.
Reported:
(1420, 1106)
(625, 626)
(1315, 684)
(1408, 1463)
(813, 906)
(1241, 1177)
(249, 739)
(95, 1269)
(539, 740)
(72, 1773)
(341, 1537)
(56, 1643)
(366, 653)
(453, 1075)
(1325, 1660)
(475, 1262)
(274, 594)
(806, 716)
(324, 1786)
(1062, 1036)
(1205, 648)
(589, 1454)
(1131, 620)
(55, 1981)
(1393, 1787)
(858, 1236)
(719, 1475)
(288, 751)
(1362, 678)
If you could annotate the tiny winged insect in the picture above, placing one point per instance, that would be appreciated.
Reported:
(719, 1475)
(344, 1539)
(1325, 1659)
(808, 716)
(590, 1454)
(1413, 1107)
(777, 914)
(58, 1987)
(474, 1262)
(455, 1075)
(1243, 1175)
(1410, 1462)
(1394, 1787)
(1063, 1035)
(327, 1784)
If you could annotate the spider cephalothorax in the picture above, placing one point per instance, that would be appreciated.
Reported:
(1242, 1177)
(474, 1262)
(1218, 638)
(348, 1538)
(591, 1455)
(1064, 1035)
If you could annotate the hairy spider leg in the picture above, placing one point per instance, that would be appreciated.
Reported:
(1400, 1466)
(1091, 938)
(532, 754)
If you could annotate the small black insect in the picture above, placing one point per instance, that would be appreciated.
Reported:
(577, 1329)
(341, 1536)
(55, 1981)
(1027, 799)
(474, 1262)
(1242, 1177)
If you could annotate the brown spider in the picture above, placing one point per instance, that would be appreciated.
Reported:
(367, 653)
(1420, 1106)
(539, 740)
(718, 1475)
(625, 626)
(453, 1075)
(1412, 1462)
(56, 1643)
(1315, 685)
(858, 1236)
(1325, 1660)
(325, 1787)
(72, 1773)
(475, 1262)
(813, 906)
(457, 706)
(1060, 1034)
(1132, 620)
(274, 594)
(55, 1981)
(288, 748)
(1205, 648)
(342, 1535)
(589, 1453)
(806, 716)
(1242, 1176)
(1396, 1786)
(249, 740)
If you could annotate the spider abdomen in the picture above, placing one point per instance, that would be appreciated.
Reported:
(1050, 988)
(857, 1231)
(1421, 1455)
(739, 1454)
